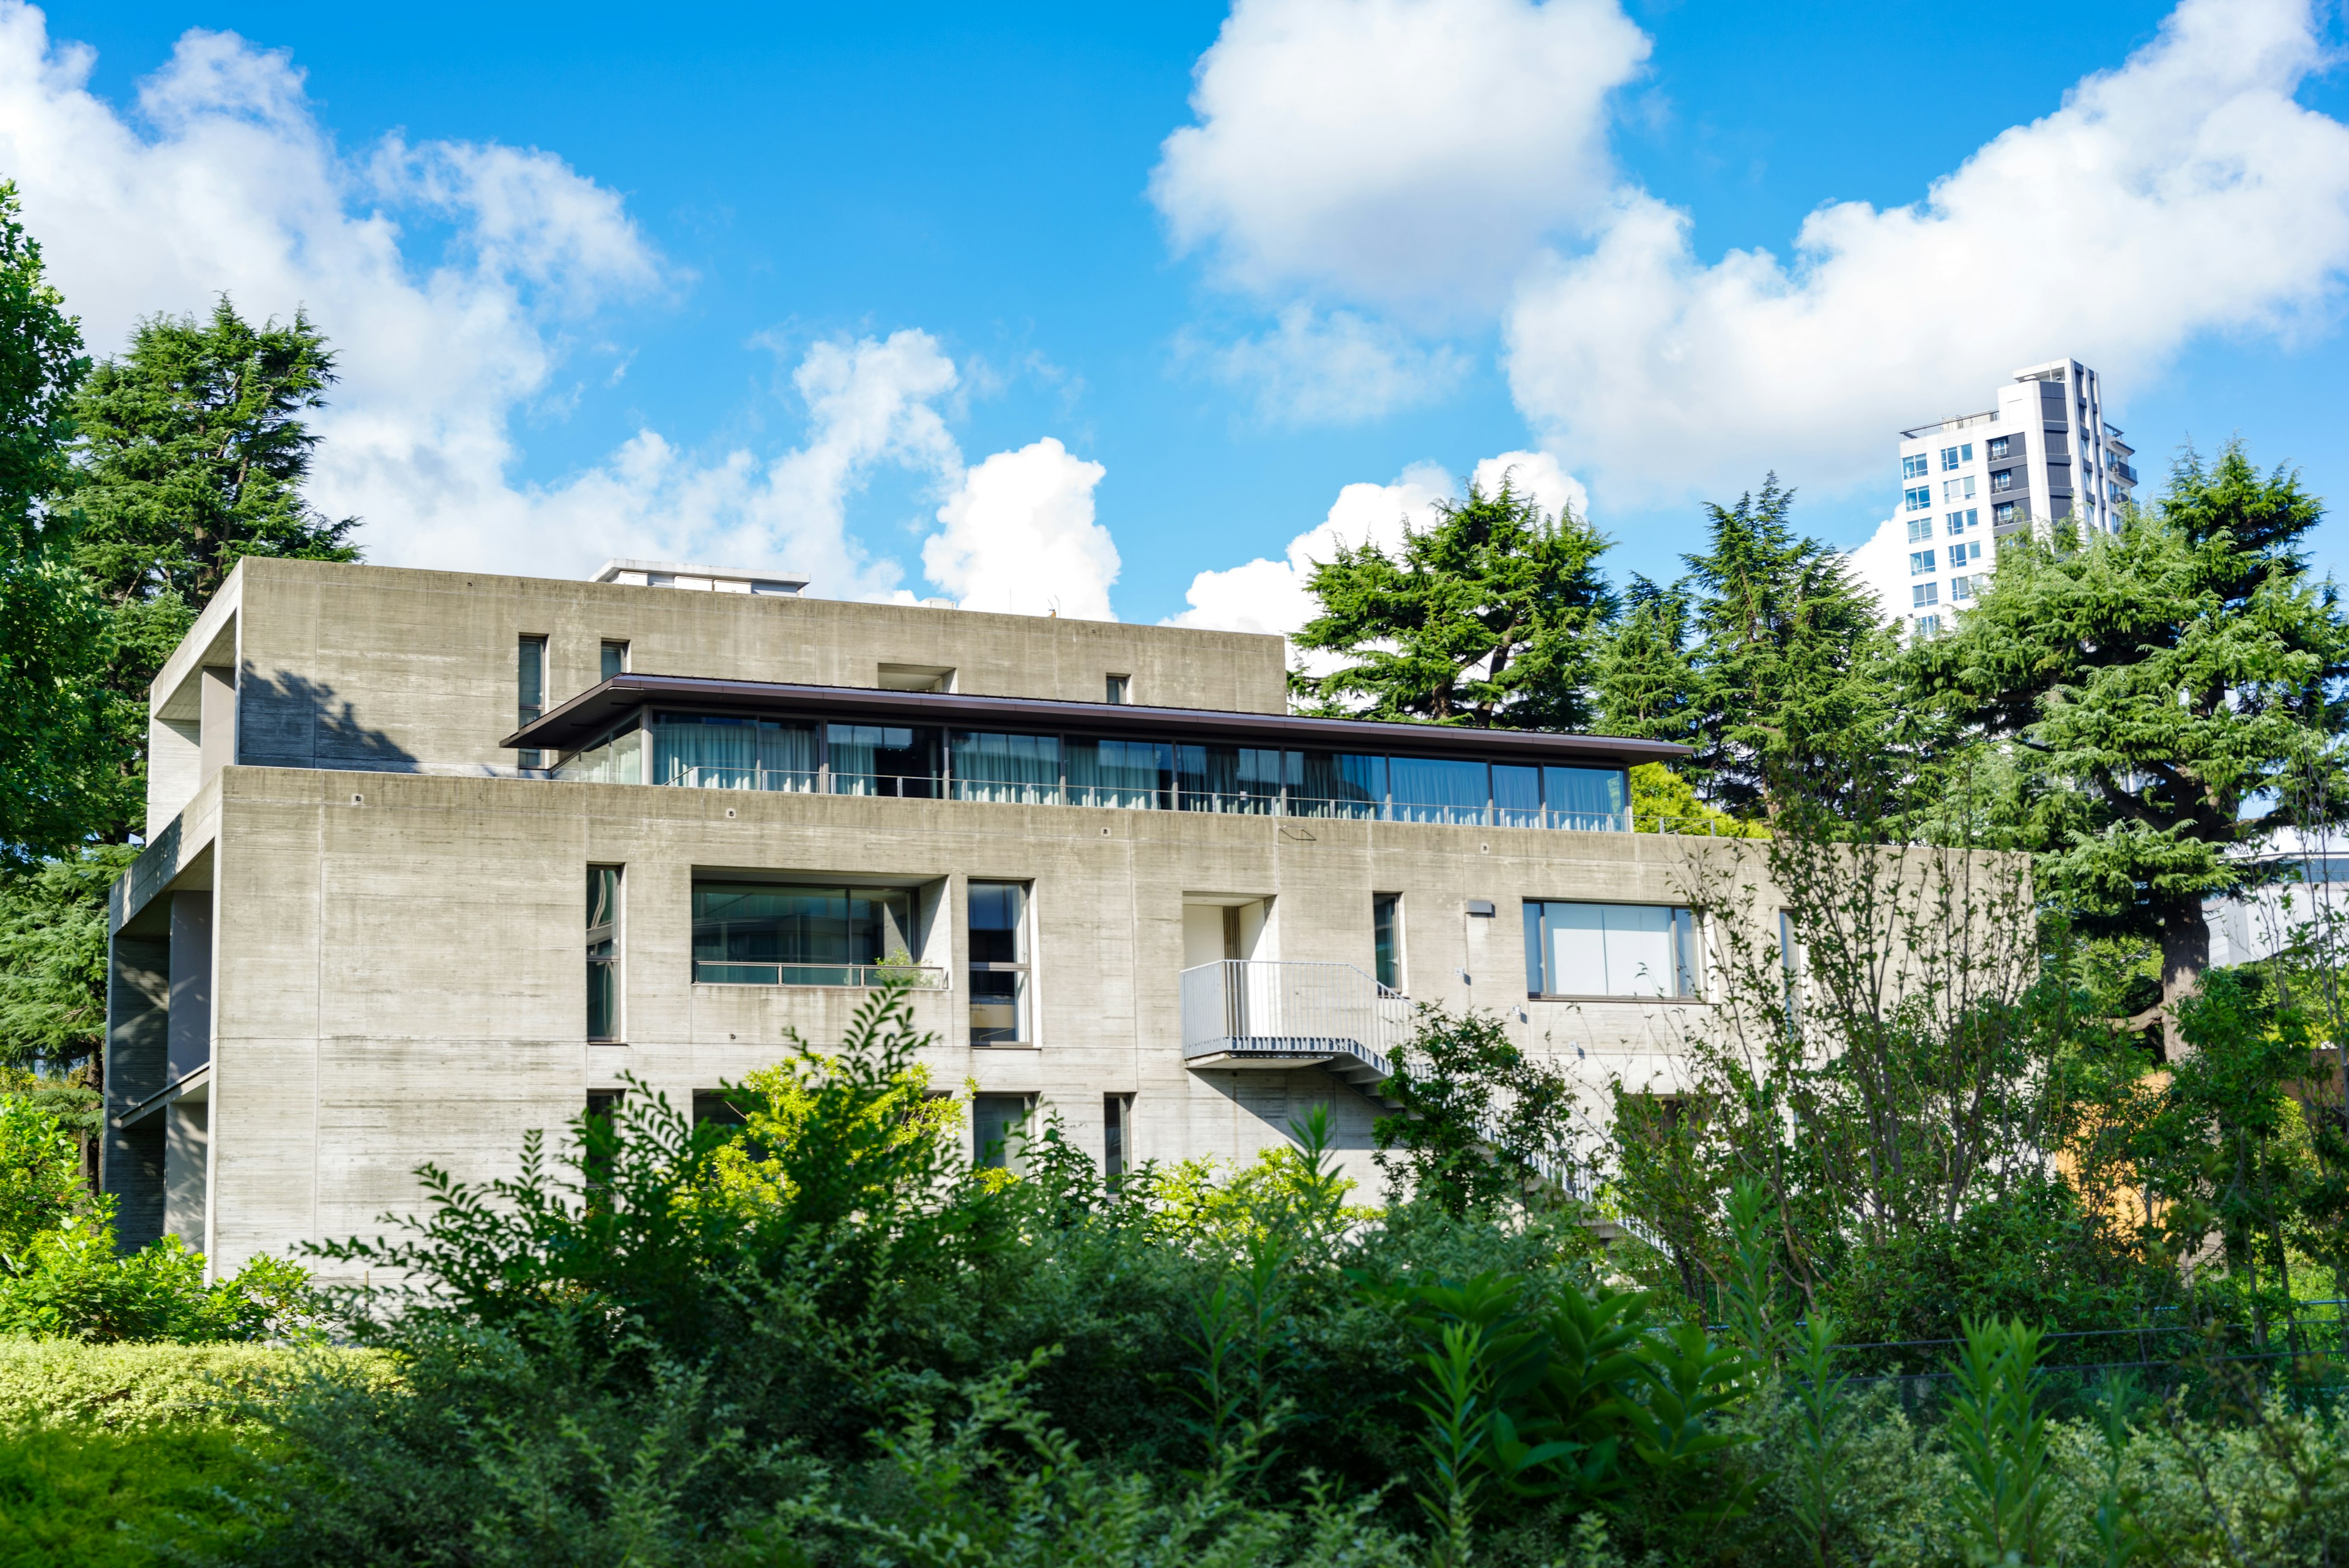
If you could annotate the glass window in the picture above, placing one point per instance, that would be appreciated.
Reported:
(758, 933)
(1134, 776)
(1428, 789)
(883, 759)
(1332, 783)
(1516, 796)
(1924, 594)
(2004, 511)
(1915, 465)
(1245, 780)
(999, 1124)
(1960, 588)
(1013, 770)
(998, 963)
(1920, 499)
(603, 952)
(1592, 799)
(1928, 625)
(728, 751)
(1119, 686)
(529, 692)
(1609, 950)
(1949, 457)
(1996, 447)
(617, 758)
(1919, 561)
(1386, 938)
(1966, 453)
(2002, 479)
(616, 658)
(1117, 1137)
(1919, 528)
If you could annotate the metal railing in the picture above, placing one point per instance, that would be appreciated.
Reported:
(854, 976)
(1252, 1007)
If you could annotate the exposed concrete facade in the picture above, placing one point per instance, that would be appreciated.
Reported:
(354, 944)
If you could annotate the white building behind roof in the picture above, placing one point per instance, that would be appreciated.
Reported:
(2044, 453)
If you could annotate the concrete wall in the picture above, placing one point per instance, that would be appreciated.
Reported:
(376, 668)
(400, 966)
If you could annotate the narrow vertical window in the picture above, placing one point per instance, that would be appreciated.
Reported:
(1386, 937)
(1119, 686)
(599, 1137)
(604, 952)
(1117, 1137)
(999, 964)
(616, 658)
(529, 692)
(1790, 963)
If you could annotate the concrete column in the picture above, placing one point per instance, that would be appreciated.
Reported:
(131, 1164)
(187, 1172)
(218, 709)
(191, 984)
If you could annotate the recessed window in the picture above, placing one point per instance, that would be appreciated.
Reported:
(1996, 447)
(1611, 950)
(998, 1125)
(1386, 938)
(999, 964)
(1117, 1137)
(884, 760)
(529, 692)
(712, 1108)
(1119, 687)
(604, 952)
(2005, 512)
(616, 658)
(761, 933)
(2002, 479)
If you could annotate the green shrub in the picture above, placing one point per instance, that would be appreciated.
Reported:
(81, 1496)
(124, 1388)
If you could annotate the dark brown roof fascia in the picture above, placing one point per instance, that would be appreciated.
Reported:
(589, 714)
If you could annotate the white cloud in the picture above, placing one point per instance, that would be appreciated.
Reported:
(1271, 596)
(1339, 369)
(1019, 535)
(1537, 476)
(1410, 152)
(1882, 565)
(227, 182)
(2185, 192)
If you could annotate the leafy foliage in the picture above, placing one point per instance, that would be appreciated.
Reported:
(1485, 618)
(1481, 1119)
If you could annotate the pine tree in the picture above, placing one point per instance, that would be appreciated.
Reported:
(1488, 618)
(56, 782)
(2155, 685)
(1645, 683)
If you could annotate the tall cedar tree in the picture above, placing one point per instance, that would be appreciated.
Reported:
(1486, 619)
(57, 778)
(1768, 658)
(193, 454)
(2153, 683)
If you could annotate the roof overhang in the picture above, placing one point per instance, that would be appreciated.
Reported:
(588, 715)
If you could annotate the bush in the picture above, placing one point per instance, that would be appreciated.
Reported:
(79, 1495)
(125, 1388)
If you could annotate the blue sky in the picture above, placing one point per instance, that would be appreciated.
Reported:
(792, 177)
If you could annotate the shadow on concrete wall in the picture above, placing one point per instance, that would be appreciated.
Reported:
(290, 719)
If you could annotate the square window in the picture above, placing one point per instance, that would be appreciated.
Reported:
(2004, 511)
(1960, 588)
(1997, 447)
(1920, 562)
(1924, 594)
(615, 659)
(999, 1129)
(1920, 499)
(1928, 625)
(1919, 528)
(1915, 465)
(1949, 457)
(1119, 688)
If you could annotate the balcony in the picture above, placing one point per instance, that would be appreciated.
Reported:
(1245, 1013)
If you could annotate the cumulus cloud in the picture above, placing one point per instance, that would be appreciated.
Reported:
(1271, 596)
(1338, 368)
(452, 279)
(2182, 194)
(1018, 534)
(1401, 152)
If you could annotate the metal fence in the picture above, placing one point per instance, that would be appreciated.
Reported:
(1252, 1006)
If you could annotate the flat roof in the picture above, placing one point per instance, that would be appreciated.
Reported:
(597, 709)
(611, 570)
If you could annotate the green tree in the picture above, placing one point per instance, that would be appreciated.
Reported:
(2153, 685)
(55, 784)
(1789, 661)
(1487, 618)
(1645, 683)
(53, 956)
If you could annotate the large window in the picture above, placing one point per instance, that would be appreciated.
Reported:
(999, 964)
(725, 751)
(1431, 789)
(529, 692)
(760, 933)
(1015, 769)
(1961, 521)
(1134, 776)
(883, 759)
(604, 952)
(998, 1128)
(1242, 780)
(1334, 783)
(1959, 555)
(1960, 489)
(1611, 950)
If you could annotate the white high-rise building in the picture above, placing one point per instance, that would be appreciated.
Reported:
(2044, 454)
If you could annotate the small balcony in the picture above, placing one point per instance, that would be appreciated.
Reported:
(1247, 1013)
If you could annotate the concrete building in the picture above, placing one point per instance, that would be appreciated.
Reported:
(2044, 453)
(436, 857)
